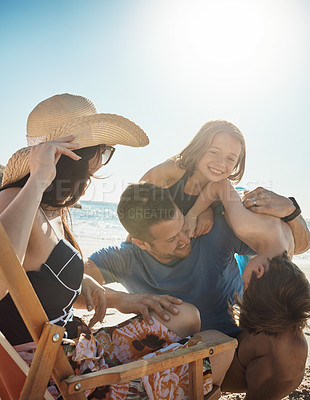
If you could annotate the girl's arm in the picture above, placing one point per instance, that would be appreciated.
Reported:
(204, 200)
(163, 175)
(263, 233)
(207, 196)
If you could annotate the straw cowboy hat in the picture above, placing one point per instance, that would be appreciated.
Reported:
(66, 114)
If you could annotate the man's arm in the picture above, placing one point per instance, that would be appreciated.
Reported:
(135, 303)
(91, 269)
(270, 203)
(301, 234)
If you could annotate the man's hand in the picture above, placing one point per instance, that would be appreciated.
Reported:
(144, 304)
(95, 298)
(263, 201)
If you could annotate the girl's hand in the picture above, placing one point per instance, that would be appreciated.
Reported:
(44, 157)
(95, 298)
(204, 223)
(192, 223)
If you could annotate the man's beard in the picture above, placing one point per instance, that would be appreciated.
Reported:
(178, 253)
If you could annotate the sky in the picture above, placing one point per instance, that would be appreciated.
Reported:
(169, 66)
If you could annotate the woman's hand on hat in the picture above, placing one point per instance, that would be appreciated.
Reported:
(44, 157)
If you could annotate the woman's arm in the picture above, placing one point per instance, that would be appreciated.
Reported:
(18, 207)
(93, 297)
(135, 303)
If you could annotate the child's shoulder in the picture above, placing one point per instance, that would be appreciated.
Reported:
(164, 174)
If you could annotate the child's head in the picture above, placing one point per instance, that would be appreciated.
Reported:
(217, 150)
(276, 299)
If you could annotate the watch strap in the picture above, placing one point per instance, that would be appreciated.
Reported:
(295, 213)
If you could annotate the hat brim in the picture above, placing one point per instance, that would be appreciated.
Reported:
(92, 130)
(109, 129)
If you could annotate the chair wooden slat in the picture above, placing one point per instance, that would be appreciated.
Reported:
(196, 380)
(46, 353)
(13, 373)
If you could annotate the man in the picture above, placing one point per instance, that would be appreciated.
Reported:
(161, 259)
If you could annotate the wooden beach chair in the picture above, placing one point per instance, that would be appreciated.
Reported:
(19, 381)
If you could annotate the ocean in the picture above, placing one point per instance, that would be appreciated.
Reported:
(96, 225)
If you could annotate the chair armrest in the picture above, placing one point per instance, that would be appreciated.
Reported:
(137, 369)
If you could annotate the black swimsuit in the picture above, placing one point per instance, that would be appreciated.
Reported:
(183, 200)
(57, 284)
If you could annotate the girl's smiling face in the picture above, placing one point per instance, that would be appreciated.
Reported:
(221, 157)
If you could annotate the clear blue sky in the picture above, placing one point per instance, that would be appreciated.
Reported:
(170, 66)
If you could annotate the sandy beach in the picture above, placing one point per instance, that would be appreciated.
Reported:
(113, 317)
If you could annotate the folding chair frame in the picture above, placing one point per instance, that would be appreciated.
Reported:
(50, 359)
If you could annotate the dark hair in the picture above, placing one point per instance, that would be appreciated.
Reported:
(278, 301)
(71, 181)
(143, 205)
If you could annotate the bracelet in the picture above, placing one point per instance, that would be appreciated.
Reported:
(295, 213)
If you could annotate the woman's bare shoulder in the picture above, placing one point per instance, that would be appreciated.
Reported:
(164, 174)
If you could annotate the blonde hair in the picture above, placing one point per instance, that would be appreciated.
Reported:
(191, 155)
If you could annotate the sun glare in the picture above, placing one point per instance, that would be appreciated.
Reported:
(228, 41)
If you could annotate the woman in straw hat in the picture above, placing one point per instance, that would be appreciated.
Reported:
(68, 141)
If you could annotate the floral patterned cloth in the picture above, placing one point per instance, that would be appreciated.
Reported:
(132, 340)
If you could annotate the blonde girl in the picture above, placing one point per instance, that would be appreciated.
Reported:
(217, 152)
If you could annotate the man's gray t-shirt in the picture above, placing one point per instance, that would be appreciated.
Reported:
(207, 278)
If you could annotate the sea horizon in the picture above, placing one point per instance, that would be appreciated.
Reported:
(96, 225)
(307, 219)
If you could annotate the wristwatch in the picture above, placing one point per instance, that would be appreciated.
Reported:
(295, 213)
